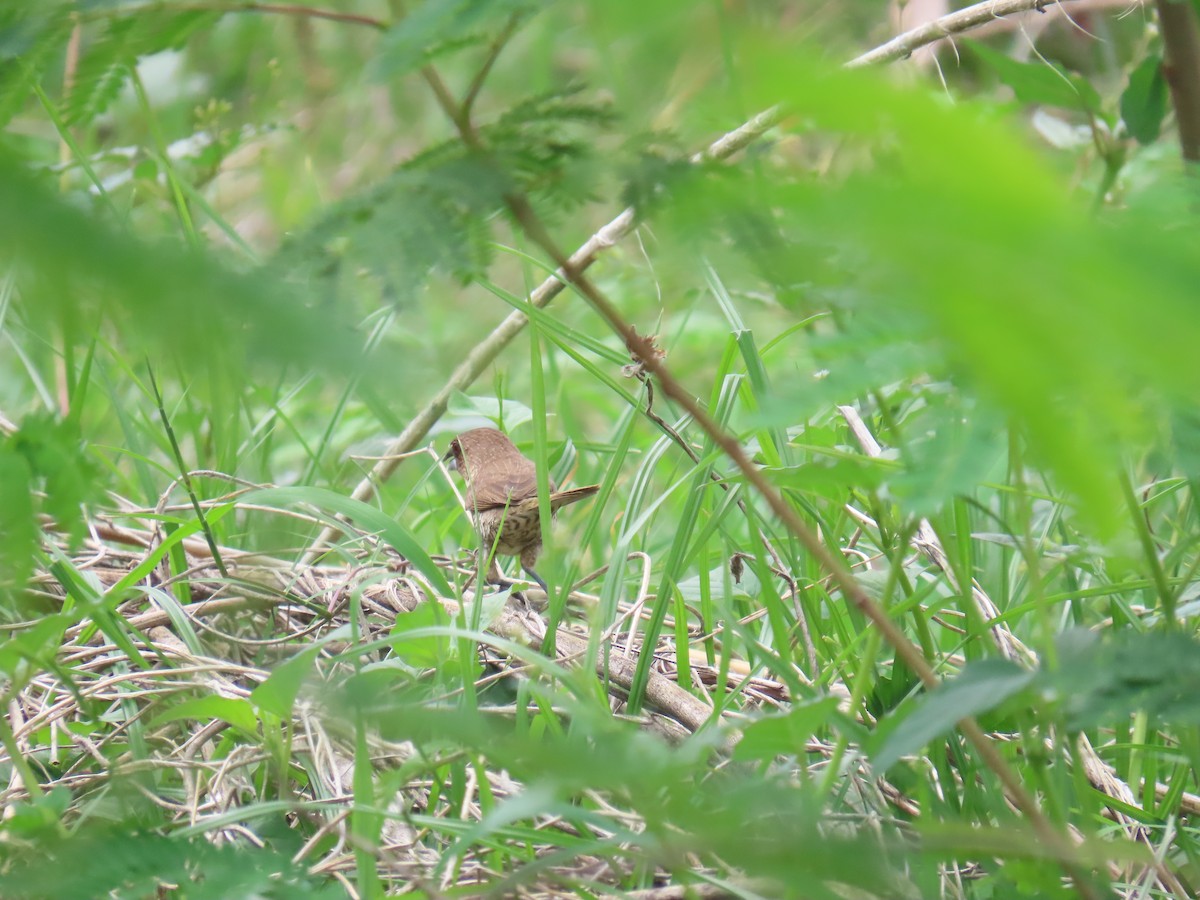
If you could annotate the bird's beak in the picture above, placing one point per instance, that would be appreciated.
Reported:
(450, 461)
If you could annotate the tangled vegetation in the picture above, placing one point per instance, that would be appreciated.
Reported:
(872, 322)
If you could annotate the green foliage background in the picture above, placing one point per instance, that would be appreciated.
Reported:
(263, 215)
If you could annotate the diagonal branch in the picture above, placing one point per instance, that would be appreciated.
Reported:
(485, 352)
(903, 45)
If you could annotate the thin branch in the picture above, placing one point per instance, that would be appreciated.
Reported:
(485, 352)
(902, 46)
(493, 54)
(276, 9)
(651, 359)
(842, 576)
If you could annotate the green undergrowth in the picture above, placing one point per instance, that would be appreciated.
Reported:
(953, 324)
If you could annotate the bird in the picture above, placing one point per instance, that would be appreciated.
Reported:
(502, 497)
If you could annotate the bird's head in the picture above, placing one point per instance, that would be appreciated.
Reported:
(478, 447)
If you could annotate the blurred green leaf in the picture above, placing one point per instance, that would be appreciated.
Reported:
(981, 686)
(952, 450)
(112, 56)
(787, 734)
(1100, 680)
(39, 817)
(235, 711)
(128, 863)
(278, 693)
(39, 642)
(426, 651)
(833, 477)
(434, 26)
(18, 523)
(1144, 100)
(1026, 297)
(1041, 82)
(165, 300)
(508, 414)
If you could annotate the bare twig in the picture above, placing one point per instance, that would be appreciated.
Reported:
(490, 60)
(902, 46)
(485, 352)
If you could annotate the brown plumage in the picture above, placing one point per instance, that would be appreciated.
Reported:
(502, 494)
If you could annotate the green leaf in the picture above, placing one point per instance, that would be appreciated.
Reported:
(785, 735)
(114, 54)
(432, 26)
(39, 817)
(234, 710)
(41, 641)
(981, 686)
(1040, 82)
(1144, 101)
(278, 693)
(29, 43)
(507, 414)
(153, 293)
(953, 449)
(832, 477)
(1098, 681)
(116, 593)
(426, 651)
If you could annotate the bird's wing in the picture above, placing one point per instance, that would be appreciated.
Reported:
(505, 484)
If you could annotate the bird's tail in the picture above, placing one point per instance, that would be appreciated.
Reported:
(562, 498)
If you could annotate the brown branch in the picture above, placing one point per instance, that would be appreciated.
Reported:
(493, 54)
(485, 352)
(1181, 68)
(275, 9)
(902, 46)
(649, 357)
(842, 576)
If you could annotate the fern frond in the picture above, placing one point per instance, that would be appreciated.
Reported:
(107, 61)
(28, 43)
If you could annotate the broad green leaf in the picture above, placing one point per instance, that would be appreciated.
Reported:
(426, 650)
(507, 414)
(237, 712)
(787, 734)
(1101, 680)
(38, 817)
(952, 450)
(278, 693)
(1040, 81)
(833, 477)
(1144, 101)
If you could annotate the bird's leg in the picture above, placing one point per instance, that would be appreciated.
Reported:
(528, 557)
(536, 577)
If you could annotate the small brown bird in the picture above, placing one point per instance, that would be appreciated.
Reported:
(502, 494)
